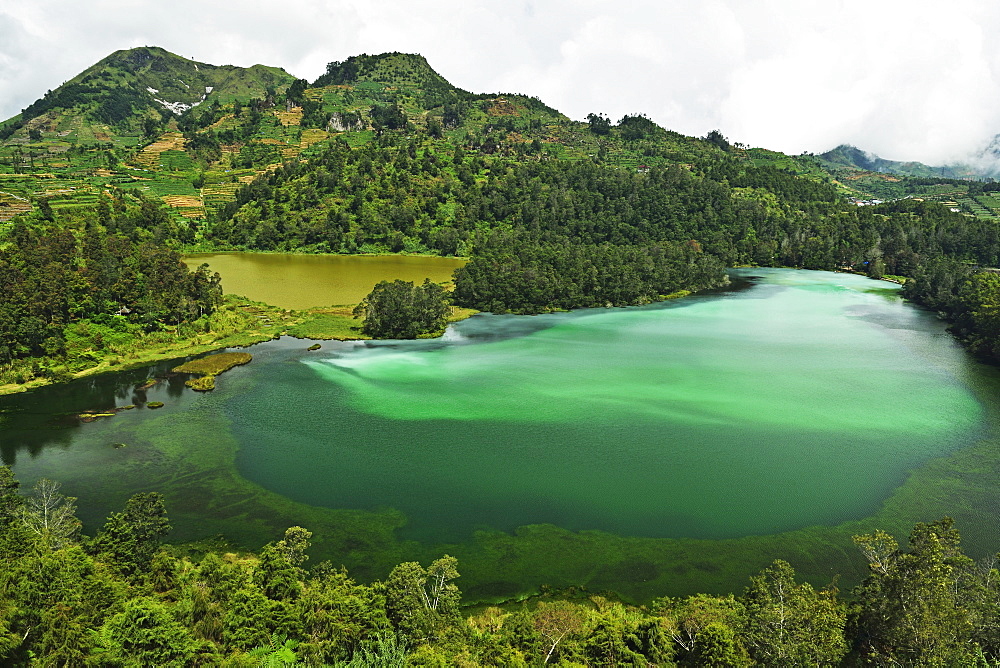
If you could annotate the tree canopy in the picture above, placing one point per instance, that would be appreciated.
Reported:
(401, 310)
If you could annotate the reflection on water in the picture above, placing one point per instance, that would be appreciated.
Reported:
(50, 415)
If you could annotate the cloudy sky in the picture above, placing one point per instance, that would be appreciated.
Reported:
(907, 79)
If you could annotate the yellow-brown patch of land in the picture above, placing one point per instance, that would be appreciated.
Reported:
(183, 201)
(149, 157)
(291, 117)
(313, 136)
(501, 107)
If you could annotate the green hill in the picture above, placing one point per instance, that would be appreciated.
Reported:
(137, 89)
(191, 133)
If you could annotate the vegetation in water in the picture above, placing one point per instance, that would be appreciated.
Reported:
(213, 365)
(201, 384)
(124, 597)
(209, 367)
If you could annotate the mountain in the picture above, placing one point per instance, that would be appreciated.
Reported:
(189, 134)
(846, 156)
(408, 75)
(120, 93)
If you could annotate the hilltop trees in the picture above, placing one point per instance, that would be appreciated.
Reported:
(599, 124)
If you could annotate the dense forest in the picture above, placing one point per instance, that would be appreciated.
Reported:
(69, 292)
(121, 598)
(553, 234)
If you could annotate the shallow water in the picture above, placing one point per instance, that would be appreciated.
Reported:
(798, 399)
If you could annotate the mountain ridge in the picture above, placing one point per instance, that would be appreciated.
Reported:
(200, 127)
(847, 156)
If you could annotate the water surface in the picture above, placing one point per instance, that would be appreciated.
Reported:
(297, 281)
(803, 400)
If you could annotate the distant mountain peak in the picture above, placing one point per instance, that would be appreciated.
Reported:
(851, 157)
(384, 68)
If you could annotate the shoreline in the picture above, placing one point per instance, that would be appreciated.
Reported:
(332, 323)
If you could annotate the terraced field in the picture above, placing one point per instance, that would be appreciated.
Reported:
(149, 157)
(217, 195)
(12, 205)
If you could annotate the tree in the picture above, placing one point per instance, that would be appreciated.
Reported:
(418, 599)
(635, 128)
(129, 539)
(296, 91)
(792, 624)
(911, 608)
(294, 545)
(599, 124)
(50, 515)
(718, 140)
(387, 118)
(434, 128)
(557, 620)
(399, 310)
(57, 598)
(276, 576)
(705, 628)
(144, 634)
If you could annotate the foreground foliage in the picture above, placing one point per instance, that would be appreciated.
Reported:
(123, 598)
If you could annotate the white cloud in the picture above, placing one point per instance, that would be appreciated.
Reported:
(907, 80)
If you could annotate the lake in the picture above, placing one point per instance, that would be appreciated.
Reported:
(655, 450)
(296, 281)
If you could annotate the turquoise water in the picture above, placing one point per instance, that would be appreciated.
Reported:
(802, 400)
(795, 399)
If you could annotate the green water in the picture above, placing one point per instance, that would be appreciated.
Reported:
(296, 281)
(663, 449)
(784, 406)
